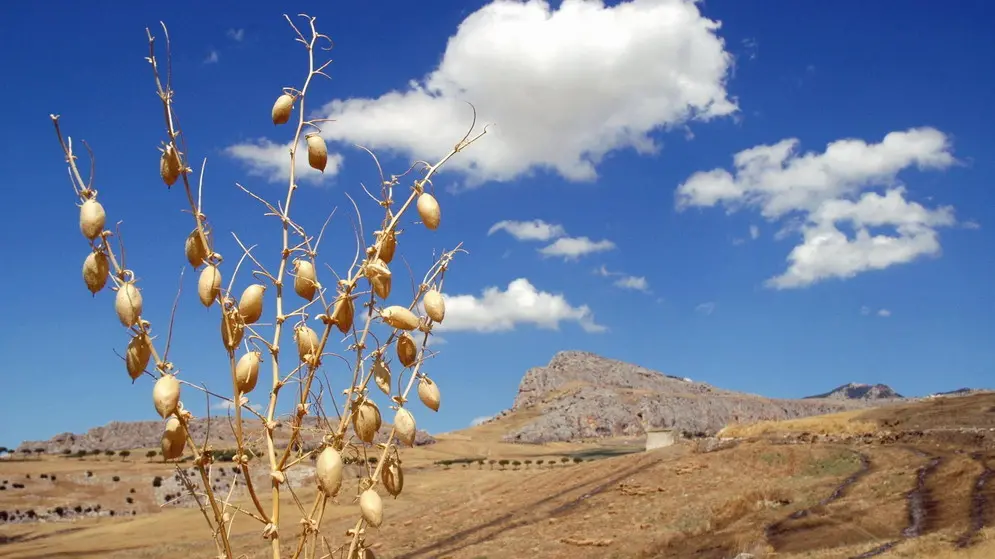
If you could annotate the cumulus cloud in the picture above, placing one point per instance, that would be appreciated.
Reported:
(236, 35)
(497, 310)
(534, 230)
(754, 232)
(270, 160)
(884, 313)
(706, 308)
(817, 193)
(636, 283)
(572, 248)
(563, 87)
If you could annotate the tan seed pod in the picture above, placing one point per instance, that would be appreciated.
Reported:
(407, 350)
(137, 356)
(392, 477)
(428, 393)
(282, 108)
(371, 507)
(307, 343)
(404, 426)
(387, 245)
(428, 210)
(381, 374)
(435, 306)
(328, 471)
(366, 420)
(317, 152)
(250, 304)
(166, 395)
(169, 165)
(232, 329)
(397, 316)
(92, 219)
(195, 249)
(128, 304)
(209, 285)
(305, 282)
(343, 313)
(174, 438)
(95, 271)
(247, 371)
(379, 276)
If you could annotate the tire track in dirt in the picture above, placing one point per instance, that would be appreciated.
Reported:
(979, 503)
(919, 502)
(777, 529)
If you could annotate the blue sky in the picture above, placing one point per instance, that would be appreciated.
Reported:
(849, 240)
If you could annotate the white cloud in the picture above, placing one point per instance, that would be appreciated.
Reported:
(636, 283)
(212, 57)
(480, 420)
(520, 303)
(271, 161)
(571, 248)
(535, 230)
(865, 310)
(884, 313)
(706, 308)
(562, 87)
(754, 232)
(816, 193)
(236, 35)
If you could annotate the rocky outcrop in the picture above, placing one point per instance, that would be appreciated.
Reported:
(857, 391)
(581, 395)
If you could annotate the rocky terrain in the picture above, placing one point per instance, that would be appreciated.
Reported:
(580, 395)
(121, 435)
(857, 391)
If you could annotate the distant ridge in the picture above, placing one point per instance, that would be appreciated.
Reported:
(858, 391)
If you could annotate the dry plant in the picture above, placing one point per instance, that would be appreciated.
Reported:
(359, 427)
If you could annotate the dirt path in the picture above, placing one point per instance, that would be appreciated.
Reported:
(979, 503)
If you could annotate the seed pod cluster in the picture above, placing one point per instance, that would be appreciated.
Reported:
(166, 395)
(195, 249)
(128, 304)
(136, 357)
(92, 218)
(307, 343)
(379, 276)
(429, 211)
(407, 351)
(317, 152)
(366, 420)
(305, 280)
(174, 438)
(169, 165)
(397, 316)
(328, 471)
(428, 393)
(209, 285)
(404, 426)
(247, 371)
(371, 507)
(250, 304)
(95, 270)
(435, 306)
(282, 108)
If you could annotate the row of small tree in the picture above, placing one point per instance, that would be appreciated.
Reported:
(504, 463)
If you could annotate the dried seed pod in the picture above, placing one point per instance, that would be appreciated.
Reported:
(305, 282)
(381, 374)
(195, 249)
(166, 395)
(371, 507)
(95, 271)
(428, 210)
(392, 477)
(328, 471)
(232, 329)
(169, 165)
(137, 355)
(282, 108)
(379, 276)
(307, 343)
(247, 371)
(317, 152)
(399, 317)
(250, 304)
(209, 285)
(174, 438)
(428, 393)
(387, 244)
(343, 313)
(128, 304)
(407, 351)
(366, 420)
(404, 426)
(92, 219)
(435, 306)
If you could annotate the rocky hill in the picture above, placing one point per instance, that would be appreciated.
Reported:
(580, 395)
(121, 435)
(857, 391)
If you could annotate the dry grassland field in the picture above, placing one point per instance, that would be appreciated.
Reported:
(902, 480)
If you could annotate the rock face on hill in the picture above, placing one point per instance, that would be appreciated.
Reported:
(580, 395)
(857, 391)
(121, 435)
